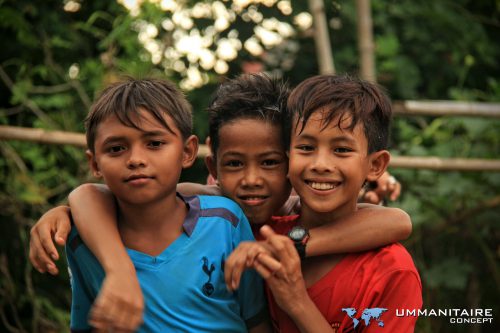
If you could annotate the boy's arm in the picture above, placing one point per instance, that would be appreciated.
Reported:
(53, 226)
(188, 189)
(250, 295)
(371, 226)
(284, 278)
(120, 301)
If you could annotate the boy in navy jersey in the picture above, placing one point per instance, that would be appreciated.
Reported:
(139, 140)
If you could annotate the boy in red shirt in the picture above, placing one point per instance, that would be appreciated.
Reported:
(339, 134)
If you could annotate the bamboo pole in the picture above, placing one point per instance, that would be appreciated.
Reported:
(321, 37)
(366, 46)
(42, 136)
(57, 137)
(444, 164)
(447, 108)
(406, 162)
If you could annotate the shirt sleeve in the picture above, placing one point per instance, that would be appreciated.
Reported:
(396, 290)
(250, 294)
(80, 300)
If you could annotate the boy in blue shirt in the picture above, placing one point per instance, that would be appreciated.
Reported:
(250, 165)
(139, 140)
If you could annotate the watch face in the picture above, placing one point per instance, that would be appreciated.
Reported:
(297, 233)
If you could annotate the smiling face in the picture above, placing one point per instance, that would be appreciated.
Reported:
(328, 166)
(251, 167)
(143, 165)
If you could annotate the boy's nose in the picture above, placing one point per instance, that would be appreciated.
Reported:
(135, 160)
(322, 163)
(252, 178)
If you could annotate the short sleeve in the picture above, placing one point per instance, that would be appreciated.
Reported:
(80, 300)
(251, 291)
(396, 290)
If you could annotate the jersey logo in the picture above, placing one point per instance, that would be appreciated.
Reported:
(208, 287)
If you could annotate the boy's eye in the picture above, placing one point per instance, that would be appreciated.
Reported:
(155, 144)
(116, 149)
(305, 147)
(270, 162)
(342, 150)
(233, 163)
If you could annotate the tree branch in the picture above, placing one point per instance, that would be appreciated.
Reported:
(27, 102)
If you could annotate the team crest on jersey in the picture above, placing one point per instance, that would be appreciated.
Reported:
(208, 287)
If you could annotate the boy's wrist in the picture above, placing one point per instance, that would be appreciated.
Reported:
(299, 306)
(124, 266)
(300, 236)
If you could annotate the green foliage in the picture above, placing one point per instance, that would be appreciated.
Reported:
(54, 62)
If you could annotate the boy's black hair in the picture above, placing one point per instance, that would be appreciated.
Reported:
(365, 102)
(248, 96)
(125, 99)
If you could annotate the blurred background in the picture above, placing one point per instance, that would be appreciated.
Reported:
(439, 60)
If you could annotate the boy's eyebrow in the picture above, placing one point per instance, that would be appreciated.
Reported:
(273, 152)
(306, 136)
(148, 134)
(340, 138)
(346, 138)
(266, 153)
(111, 139)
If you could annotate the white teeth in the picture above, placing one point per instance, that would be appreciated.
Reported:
(322, 186)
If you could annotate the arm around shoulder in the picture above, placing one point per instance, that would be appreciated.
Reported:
(120, 301)
(53, 227)
(189, 189)
(371, 226)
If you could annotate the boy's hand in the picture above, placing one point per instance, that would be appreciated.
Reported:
(240, 259)
(283, 273)
(386, 187)
(119, 305)
(54, 225)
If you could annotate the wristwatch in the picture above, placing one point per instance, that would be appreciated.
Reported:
(299, 235)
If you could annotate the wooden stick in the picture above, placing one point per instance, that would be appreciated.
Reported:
(366, 46)
(406, 162)
(322, 37)
(42, 136)
(39, 135)
(447, 108)
(444, 164)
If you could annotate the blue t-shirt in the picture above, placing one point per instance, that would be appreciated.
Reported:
(183, 287)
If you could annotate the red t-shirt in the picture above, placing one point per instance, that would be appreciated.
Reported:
(383, 278)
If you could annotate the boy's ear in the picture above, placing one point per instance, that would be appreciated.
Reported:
(379, 161)
(94, 167)
(211, 165)
(190, 151)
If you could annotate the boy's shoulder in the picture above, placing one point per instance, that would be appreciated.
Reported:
(216, 201)
(396, 253)
(387, 259)
(218, 206)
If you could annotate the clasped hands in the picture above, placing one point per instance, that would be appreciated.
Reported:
(276, 260)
